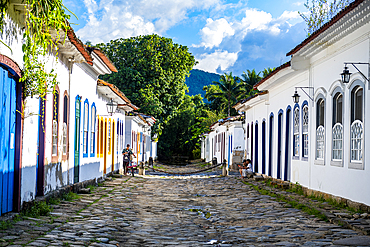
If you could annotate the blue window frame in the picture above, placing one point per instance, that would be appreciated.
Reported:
(296, 121)
(305, 119)
(93, 130)
(85, 146)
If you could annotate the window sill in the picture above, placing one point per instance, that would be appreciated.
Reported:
(356, 165)
(54, 159)
(338, 163)
(85, 155)
(295, 157)
(92, 155)
(304, 159)
(320, 162)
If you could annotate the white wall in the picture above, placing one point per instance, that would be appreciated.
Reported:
(342, 179)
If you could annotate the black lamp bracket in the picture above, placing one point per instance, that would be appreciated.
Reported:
(303, 89)
(353, 64)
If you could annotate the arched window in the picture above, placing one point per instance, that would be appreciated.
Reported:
(337, 150)
(65, 125)
(357, 130)
(92, 130)
(55, 124)
(109, 137)
(102, 128)
(320, 129)
(305, 131)
(296, 132)
(85, 128)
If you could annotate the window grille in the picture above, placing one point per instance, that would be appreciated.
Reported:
(320, 142)
(305, 131)
(356, 140)
(296, 132)
(85, 136)
(55, 137)
(92, 135)
(337, 141)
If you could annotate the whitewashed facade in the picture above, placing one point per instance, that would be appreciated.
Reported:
(69, 136)
(138, 135)
(224, 141)
(321, 141)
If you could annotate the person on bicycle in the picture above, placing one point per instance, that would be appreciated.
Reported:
(127, 152)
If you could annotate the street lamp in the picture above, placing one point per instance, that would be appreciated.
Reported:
(296, 95)
(111, 107)
(346, 75)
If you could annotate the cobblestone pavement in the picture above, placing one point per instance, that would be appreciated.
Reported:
(174, 211)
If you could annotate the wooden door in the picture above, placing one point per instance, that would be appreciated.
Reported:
(113, 132)
(7, 139)
(105, 152)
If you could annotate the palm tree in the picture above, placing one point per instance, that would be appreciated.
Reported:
(267, 71)
(230, 90)
(251, 78)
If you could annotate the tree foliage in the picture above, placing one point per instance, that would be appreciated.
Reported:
(229, 90)
(151, 73)
(42, 18)
(181, 134)
(320, 12)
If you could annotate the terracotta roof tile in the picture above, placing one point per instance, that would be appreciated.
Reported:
(103, 57)
(283, 66)
(80, 46)
(118, 92)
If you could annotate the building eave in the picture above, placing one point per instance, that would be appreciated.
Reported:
(339, 26)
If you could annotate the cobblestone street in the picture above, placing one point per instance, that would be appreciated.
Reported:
(178, 211)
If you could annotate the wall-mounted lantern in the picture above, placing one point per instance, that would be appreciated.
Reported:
(346, 75)
(111, 107)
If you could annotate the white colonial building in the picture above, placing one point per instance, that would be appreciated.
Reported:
(224, 141)
(320, 141)
(138, 135)
(69, 136)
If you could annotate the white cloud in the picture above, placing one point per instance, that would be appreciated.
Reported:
(218, 59)
(111, 19)
(214, 32)
(255, 20)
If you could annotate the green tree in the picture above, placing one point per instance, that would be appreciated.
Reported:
(180, 136)
(151, 73)
(267, 71)
(215, 103)
(251, 77)
(320, 12)
(229, 91)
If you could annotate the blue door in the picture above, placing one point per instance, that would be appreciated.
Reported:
(287, 146)
(279, 146)
(264, 147)
(7, 140)
(256, 149)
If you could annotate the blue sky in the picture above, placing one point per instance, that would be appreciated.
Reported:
(223, 35)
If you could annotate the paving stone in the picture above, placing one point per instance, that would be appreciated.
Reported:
(354, 241)
(158, 210)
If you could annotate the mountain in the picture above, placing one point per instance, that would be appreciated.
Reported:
(198, 79)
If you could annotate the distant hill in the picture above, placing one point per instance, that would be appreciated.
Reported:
(198, 79)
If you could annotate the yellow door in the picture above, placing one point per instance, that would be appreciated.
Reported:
(113, 141)
(105, 146)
